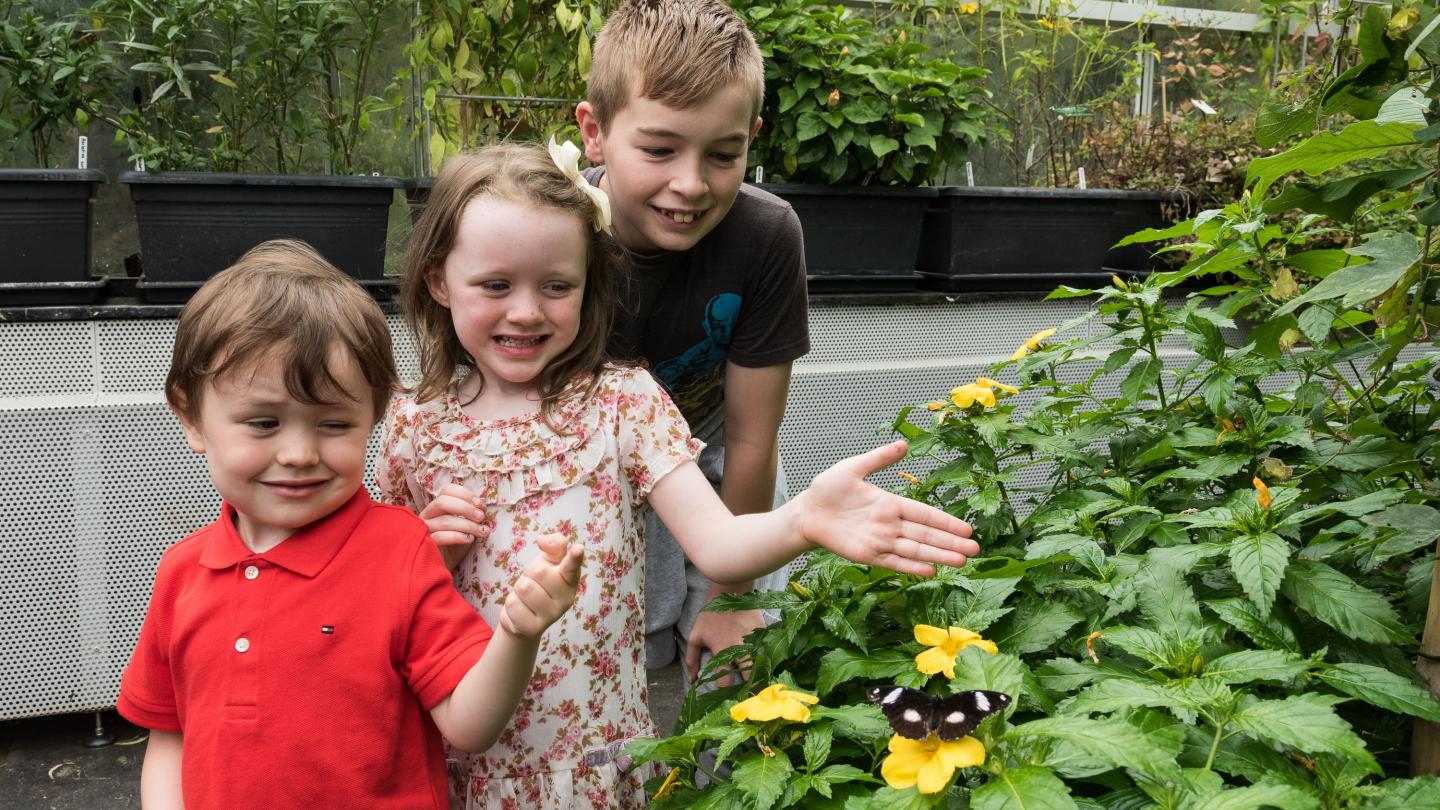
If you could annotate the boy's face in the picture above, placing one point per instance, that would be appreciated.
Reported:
(281, 463)
(671, 174)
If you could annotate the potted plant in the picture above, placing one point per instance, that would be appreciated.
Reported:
(1050, 76)
(857, 119)
(48, 73)
(281, 91)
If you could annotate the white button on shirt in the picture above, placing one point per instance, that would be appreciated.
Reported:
(252, 571)
(242, 644)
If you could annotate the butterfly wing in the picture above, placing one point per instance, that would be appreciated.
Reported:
(909, 712)
(957, 715)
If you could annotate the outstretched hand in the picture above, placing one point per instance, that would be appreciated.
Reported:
(545, 589)
(848, 515)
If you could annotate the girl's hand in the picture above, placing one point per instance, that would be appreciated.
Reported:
(545, 589)
(456, 517)
(844, 513)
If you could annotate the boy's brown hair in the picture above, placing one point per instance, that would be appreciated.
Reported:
(524, 175)
(677, 52)
(281, 296)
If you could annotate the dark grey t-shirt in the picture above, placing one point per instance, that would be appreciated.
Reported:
(738, 295)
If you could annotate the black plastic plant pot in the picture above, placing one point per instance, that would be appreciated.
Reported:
(195, 224)
(858, 238)
(988, 239)
(45, 237)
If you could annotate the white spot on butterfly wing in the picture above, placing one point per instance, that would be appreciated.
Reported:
(893, 696)
(981, 702)
(956, 717)
(911, 716)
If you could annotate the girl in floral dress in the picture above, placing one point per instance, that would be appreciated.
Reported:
(517, 413)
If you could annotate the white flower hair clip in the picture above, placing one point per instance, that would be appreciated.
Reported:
(567, 158)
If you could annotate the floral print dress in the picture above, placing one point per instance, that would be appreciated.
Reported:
(587, 481)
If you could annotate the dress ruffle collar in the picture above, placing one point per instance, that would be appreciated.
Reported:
(515, 457)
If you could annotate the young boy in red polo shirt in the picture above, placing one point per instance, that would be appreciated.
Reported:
(308, 649)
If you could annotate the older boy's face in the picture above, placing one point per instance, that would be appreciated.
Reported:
(671, 174)
(282, 463)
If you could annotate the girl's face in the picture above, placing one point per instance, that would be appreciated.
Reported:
(513, 283)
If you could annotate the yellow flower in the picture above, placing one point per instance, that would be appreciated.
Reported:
(928, 764)
(1033, 344)
(944, 646)
(672, 779)
(1046, 24)
(908, 477)
(989, 383)
(969, 8)
(1262, 493)
(833, 98)
(774, 701)
(1118, 283)
(935, 406)
(966, 395)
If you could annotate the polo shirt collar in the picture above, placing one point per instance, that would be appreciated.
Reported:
(306, 552)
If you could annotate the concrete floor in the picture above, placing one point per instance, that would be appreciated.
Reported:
(44, 764)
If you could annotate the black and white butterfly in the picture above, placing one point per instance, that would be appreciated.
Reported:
(915, 714)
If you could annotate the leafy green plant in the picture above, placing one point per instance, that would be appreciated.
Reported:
(247, 85)
(474, 61)
(1212, 596)
(850, 101)
(50, 73)
(1050, 74)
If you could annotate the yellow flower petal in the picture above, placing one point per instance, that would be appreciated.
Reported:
(931, 636)
(985, 397)
(1262, 493)
(986, 382)
(934, 406)
(1020, 352)
(928, 764)
(964, 396)
(936, 659)
(773, 702)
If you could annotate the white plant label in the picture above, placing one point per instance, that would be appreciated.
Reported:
(1082, 177)
(139, 164)
(83, 160)
(759, 174)
(969, 173)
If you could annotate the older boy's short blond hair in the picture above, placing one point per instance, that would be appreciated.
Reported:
(677, 52)
(281, 296)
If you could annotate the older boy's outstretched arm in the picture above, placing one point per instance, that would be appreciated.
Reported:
(473, 715)
(840, 511)
(160, 774)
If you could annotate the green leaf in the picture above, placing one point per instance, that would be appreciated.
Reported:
(1260, 797)
(1258, 562)
(1338, 199)
(817, 745)
(1364, 454)
(1025, 788)
(1320, 262)
(1168, 602)
(1419, 526)
(1035, 625)
(1403, 794)
(809, 125)
(1405, 106)
(1118, 694)
(1114, 741)
(1383, 688)
(1248, 666)
(1143, 643)
(1393, 253)
(839, 666)
(1340, 602)
(1326, 150)
(1260, 626)
(857, 722)
(1306, 722)
(882, 145)
(1276, 122)
(1142, 378)
(762, 777)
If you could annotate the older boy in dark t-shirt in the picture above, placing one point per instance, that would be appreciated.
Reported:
(714, 298)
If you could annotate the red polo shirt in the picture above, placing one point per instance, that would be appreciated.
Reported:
(302, 677)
